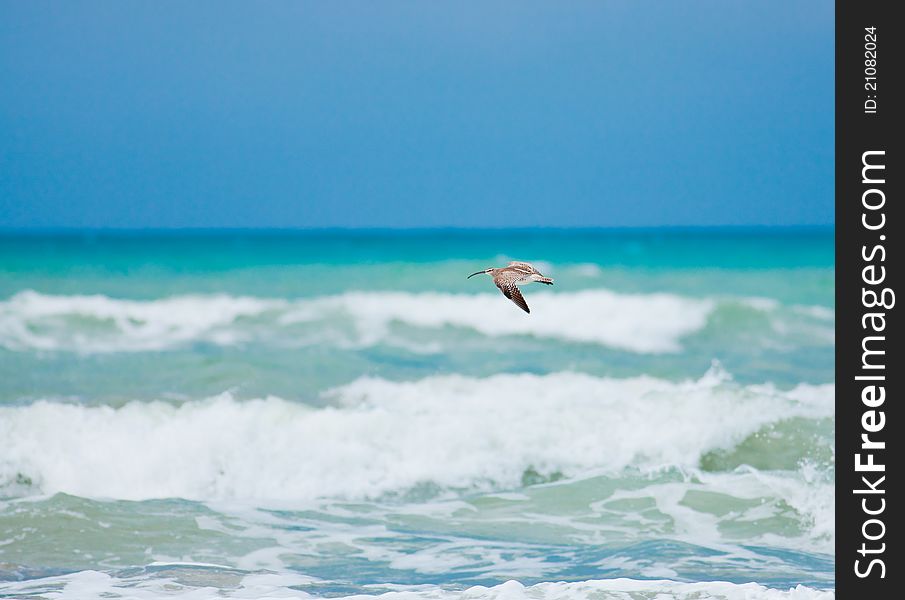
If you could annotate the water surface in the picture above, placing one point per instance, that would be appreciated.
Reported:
(335, 413)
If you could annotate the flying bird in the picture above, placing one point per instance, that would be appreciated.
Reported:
(508, 279)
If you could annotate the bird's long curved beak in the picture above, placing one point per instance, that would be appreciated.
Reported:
(473, 274)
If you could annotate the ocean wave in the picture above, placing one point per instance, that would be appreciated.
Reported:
(202, 581)
(33, 321)
(639, 323)
(645, 323)
(620, 589)
(379, 437)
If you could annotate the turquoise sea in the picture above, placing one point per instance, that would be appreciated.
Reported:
(235, 414)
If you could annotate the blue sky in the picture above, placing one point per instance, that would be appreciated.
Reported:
(415, 114)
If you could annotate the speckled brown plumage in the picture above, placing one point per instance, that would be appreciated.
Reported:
(508, 279)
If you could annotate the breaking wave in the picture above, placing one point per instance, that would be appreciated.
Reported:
(379, 437)
(640, 323)
(186, 581)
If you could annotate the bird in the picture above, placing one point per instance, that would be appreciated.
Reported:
(508, 279)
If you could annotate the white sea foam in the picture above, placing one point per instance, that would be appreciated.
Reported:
(645, 323)
(587, 270)
(818, 312)
(30, 320)
(96, 584)
(635, 322)
(382, 437)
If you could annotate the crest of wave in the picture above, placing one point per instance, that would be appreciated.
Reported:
(95, 584)
(382, 437)
(643, 323)
(97, 323)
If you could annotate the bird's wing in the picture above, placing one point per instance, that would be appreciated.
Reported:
(511, 291)
(527, 268)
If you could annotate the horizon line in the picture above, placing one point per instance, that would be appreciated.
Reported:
(66, 230)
